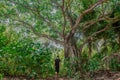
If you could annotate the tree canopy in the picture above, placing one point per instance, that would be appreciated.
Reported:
(82, 27)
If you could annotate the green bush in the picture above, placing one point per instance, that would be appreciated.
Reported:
(1, 76)
(36, 62)
(114, 64)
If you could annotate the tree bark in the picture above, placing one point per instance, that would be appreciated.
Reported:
(72, 51)
(119, 40)
(90, 47)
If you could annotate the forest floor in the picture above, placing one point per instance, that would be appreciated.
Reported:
(106, 75)
(98, 75)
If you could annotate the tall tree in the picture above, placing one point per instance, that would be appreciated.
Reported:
(62, 21)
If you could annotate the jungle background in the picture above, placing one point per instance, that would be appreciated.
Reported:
(84, 33)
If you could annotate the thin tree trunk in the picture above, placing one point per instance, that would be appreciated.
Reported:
(90, 47)
(119, 38)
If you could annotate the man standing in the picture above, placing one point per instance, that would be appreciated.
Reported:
(57, 65)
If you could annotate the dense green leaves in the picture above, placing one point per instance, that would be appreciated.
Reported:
(24, 57)
(87, 29)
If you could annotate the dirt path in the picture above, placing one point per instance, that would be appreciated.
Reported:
(98, 75)
(106, 75)
(35, 79)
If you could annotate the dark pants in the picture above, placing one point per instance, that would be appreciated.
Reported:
(57, 69)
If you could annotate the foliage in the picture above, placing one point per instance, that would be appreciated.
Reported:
(35, 64)
(1, 76)
(87, 29)
(25, 58)
(101, 61)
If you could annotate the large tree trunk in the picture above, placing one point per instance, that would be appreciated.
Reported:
(66, 52)
(71, 51)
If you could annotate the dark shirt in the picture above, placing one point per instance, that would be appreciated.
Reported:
(57, 62)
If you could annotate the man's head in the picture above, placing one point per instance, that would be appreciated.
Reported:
(57, 56)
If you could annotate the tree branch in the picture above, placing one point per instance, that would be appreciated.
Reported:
(100, 18)
(36, 12)
(38, 34)
(68, 15)
(100, 31)
(64, 24)
(90, 23)
(72, 31)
